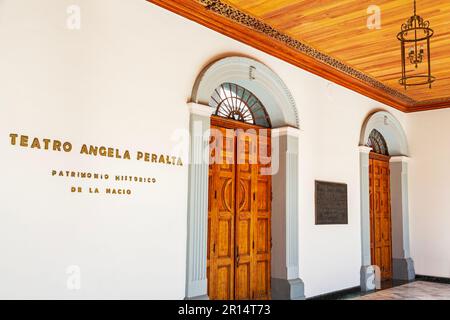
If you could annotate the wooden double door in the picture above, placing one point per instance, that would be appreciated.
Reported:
(239, 212)
(380, 214)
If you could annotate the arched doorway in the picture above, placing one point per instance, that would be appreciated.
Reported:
(384, 200)
(281, 111)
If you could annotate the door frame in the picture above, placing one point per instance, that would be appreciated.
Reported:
(281, 108)
(395, 137)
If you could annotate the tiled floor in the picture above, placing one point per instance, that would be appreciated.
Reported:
(419, 290)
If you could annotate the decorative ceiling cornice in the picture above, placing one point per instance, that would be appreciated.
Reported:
(249, 21)
(432, 101)
(433, 104)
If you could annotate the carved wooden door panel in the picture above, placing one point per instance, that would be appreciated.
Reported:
(386, 224)
(372, 221)
(246, 175)
(263, 237)
(221, 215)
(239, 214)
(381, 226)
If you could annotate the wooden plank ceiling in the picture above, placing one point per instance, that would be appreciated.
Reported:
(339, 30)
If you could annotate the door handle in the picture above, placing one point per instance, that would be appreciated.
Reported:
(237, 256)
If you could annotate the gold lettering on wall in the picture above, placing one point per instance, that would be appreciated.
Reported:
(91, 150)
(97, 176)
(36, 143)
(59, 145)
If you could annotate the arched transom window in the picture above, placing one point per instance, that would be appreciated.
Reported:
(378, 143)
(237, 103)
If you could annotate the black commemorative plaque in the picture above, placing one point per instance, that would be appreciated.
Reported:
(331, 203)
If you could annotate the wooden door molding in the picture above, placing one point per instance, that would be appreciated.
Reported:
(379, 157)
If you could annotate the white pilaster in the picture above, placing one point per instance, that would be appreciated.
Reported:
(366, 270)
(365, 204)
(196, 280)
(286, 283)
(403, 265)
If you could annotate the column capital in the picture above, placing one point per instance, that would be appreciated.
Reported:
(200, 109)
(364, 149)
(400, 159)
(286, 131)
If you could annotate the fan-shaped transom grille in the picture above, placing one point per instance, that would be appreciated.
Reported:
(237, 103)
(378, 143)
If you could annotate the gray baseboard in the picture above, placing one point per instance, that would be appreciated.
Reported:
(283, 289)
(420, 277)
(403, 269)
(336, 295)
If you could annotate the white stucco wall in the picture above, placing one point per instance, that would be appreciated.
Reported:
(429, 177)
(123, 80)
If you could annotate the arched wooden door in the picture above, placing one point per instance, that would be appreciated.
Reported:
(239, 211)
(380, 214)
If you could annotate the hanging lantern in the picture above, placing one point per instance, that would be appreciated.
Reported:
(415, 36)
